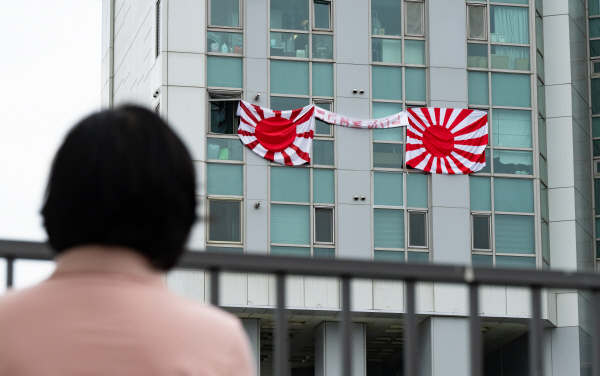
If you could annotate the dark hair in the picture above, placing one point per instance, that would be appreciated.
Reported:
(122, 177)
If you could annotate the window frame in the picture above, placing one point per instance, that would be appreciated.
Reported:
(485, 22)
(314, 224)
(312, 14)
(408, 241)
(158, 25)
(490, 235)
(240, 17)
(405, 19)
(236, 97)
(210, 198)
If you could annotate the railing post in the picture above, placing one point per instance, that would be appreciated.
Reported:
(281, 331)
(475, 329)
(410, 331)
(214, 286)
(535, 333)
(596, 329)
(346, 328)
(10, 271)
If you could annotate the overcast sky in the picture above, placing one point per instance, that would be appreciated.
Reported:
(50, 55)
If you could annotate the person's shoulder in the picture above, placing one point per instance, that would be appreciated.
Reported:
(202, 312)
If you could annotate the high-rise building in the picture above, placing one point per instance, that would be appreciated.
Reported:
(525, 62)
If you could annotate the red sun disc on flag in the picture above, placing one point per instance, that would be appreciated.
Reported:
(446, 140)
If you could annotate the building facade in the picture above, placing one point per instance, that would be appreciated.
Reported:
(525, 62)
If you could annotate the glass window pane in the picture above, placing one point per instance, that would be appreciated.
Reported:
(511, 128)
(481, 232)
(385, 17)
(322, 153)
(488, 164)
(540, 66)
(416, 190)
(597, 196)
(596, 96)
(512, 90)
(515, 234)
(289, 44)
(223, 118)
(224, 149)
(477, 55)
(509, 24)
(476, 22)
(290, 224)
(387, 188)
(511, 1)
(388, 228)
(513, 162)
(594, 27)
(480, 193)
(542, 135)
(544, 201)
(513, 195)
(539, 33)
(237, 250)
(417, 227)
(324, 252)
(387, 83)
(541, 97)
(478, 88)
(597, 249)
(482, 260)
(418, 257)
(386, 50)
(288, 103)
(224, 221)
(414, 18)
(596, 127)
(509, 57)
(393, 256)
(416, 85)
(322, 46)
(289, 77)
(323, 225)
(225, 13)
(515, 262)
(323, 186)
(225, 179)
(387, 155)
(596, 148)
(289, 14)
(595, 48)
(290, 184)
(232, 43)
(224, 71)
(543, 169)
(596, 67)
(321, 127)
(291, 251)
(414, 51)
(383, 109)
(322, 14)
(545, 242)
(389, 134)
(594, 8)
(322, 79)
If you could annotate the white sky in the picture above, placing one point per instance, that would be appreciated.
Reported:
(50, 55)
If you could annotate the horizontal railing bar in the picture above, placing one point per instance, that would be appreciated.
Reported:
(387, 270)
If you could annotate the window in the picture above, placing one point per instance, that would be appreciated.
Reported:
(224, 13)
(481, 232)
(477, 22)
(222, 112)
(301, 196)
(158, 27)
(400, 205)
(415, 18)
(224, 221)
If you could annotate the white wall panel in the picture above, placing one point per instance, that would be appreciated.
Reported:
(388, 295)
(518, 301)
(321, 292)
(187, 116)
(450, 298)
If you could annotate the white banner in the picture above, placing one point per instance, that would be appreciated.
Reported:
(397, 120)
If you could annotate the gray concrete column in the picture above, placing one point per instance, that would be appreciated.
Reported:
(328, 349)
(252, 328)
(443, 347)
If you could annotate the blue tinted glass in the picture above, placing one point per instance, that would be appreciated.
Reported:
(289, 77)
(224, 72)
(322, 79)
(323, 186)
(418, 257)
(387, 83)
(480, 193)
(415, 84)
(515, 262)
(389, 228)
(290, 184)
(324, 252)
(513, 195)
(291, 251)
(225, 179)
(482, 260)
(515, 234)
(387, 188)
(290, 224)
(478, 88)
(512, 90)
(416, 190)
(388, 256)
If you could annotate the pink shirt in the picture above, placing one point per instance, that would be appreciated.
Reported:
(105, 311)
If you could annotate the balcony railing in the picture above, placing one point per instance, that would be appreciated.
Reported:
(347, 270)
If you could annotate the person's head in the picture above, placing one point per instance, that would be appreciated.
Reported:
(122, 177)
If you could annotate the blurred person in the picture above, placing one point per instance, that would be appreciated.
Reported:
(119, 206)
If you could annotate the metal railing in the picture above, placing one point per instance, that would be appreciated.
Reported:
(410, 274)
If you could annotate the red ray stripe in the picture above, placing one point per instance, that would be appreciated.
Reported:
(461, 167)
(482, 157)
(250, 114)
(479, 123)
(252, 145)
(300, 153)
(308, 134)
(415, 116)
(410, 132)
(260, 111)
(447, 116)
(287, 159)
(295, 113)
(425, 113)
(306, 117)
(270, 155)
(461, 116)
(245, 133)
(449, 168)
(436, 112)
(429, 164)
(411, 147)
(479, 141)
(438, 167)
(465, 154)
(416, 160)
